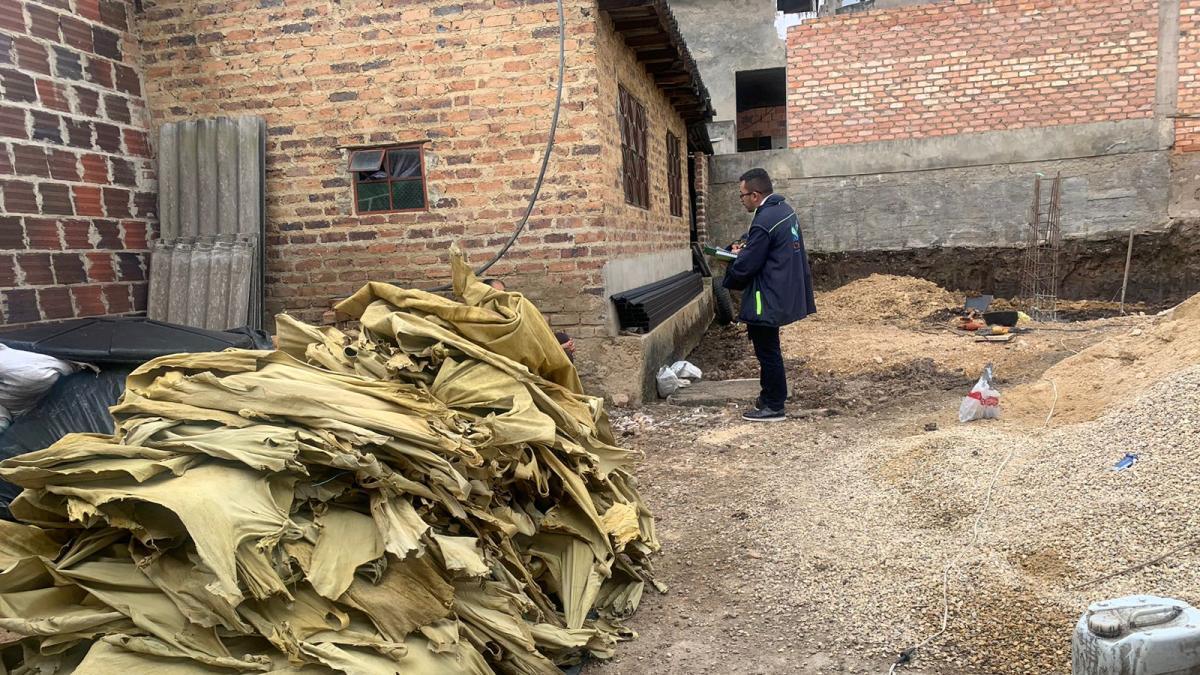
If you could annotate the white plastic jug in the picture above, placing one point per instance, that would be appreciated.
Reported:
(1137, 635)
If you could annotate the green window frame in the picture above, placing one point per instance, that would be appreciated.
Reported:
(389, 179)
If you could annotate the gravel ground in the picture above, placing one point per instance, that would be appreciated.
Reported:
(818, 545)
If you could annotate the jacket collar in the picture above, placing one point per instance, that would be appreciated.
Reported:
(771, 200)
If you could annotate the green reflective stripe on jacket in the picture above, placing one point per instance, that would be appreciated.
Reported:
(758, 302)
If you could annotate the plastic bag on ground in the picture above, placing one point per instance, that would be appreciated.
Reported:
(24, 377)
(685, 370)
(669, 382)
(984, 400)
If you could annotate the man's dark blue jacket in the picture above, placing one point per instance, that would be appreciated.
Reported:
(772, 269)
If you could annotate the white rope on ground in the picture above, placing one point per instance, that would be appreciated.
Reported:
(907, 654)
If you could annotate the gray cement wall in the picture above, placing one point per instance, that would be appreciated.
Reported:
(971, 190)
(726, 36)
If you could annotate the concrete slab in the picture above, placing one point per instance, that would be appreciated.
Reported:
(716, 392)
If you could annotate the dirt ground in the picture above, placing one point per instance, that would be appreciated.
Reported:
(818, 545)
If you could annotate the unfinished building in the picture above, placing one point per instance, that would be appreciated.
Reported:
(915, 131)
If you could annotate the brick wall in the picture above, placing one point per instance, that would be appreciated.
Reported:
(960, 66)
(77, 185)
(700, 187)
(476, 80)
(1187, 126)
(632, 230)
(763, 123)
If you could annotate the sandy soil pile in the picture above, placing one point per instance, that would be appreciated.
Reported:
(1113, 370)
(884, 297)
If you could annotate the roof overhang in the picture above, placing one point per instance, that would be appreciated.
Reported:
(650, 30)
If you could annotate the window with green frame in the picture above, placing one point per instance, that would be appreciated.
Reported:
(388, 179)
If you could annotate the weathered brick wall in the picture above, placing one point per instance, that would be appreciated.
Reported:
(1187, 126)
(632, 230)
(961, 66)
(700, 187)
(75, 175)
(475, 79)
(762, 123)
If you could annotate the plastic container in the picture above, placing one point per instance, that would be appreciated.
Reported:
(1137, 635)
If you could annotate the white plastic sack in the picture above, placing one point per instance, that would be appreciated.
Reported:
(686, 371)
(24, 378)
(984, 400)
(669, 382)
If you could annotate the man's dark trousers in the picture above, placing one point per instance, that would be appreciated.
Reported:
(772, 376)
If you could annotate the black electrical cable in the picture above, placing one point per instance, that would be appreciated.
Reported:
(537, 187)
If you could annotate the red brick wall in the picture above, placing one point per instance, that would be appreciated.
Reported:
(77, 201)
(1187, 129)
(632, 230)
(762, 123)
(962, 66)
(474, 78)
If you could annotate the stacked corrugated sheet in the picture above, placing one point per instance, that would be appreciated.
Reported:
(206, 269)
(436, 495)
(645, 307)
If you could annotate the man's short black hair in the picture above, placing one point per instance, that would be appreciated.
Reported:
(757, 180)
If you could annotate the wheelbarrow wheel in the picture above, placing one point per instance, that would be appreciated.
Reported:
(723, 301)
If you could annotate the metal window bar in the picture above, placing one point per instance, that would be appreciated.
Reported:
(1043, 248)
(634, 169)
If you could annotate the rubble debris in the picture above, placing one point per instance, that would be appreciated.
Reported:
(437, 495)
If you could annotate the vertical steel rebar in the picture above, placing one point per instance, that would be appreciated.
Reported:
(1043, 247)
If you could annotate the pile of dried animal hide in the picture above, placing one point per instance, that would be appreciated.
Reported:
(436, 495)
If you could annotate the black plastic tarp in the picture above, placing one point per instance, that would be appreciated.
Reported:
(76, 403)
(127, 340)
(79, 402)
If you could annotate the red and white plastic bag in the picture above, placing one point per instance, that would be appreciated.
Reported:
(984, 400)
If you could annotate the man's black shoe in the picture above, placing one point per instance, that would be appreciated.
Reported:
(764, 415)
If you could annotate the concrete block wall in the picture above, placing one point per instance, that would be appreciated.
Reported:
(475, 82)
(963, 66)
(77, 202)
(967, 190)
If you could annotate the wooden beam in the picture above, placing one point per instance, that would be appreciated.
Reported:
(673, 79)
(641, 23)
(657, 55)
(656, 67)
(659, 40)
(613, 5)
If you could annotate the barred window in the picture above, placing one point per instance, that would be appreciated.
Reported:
(388, 179)
(674, 174)
(634, 172)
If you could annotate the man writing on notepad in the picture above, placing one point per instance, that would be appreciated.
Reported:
(772, 271)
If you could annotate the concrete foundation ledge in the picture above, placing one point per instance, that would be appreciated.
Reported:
(622, 368)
